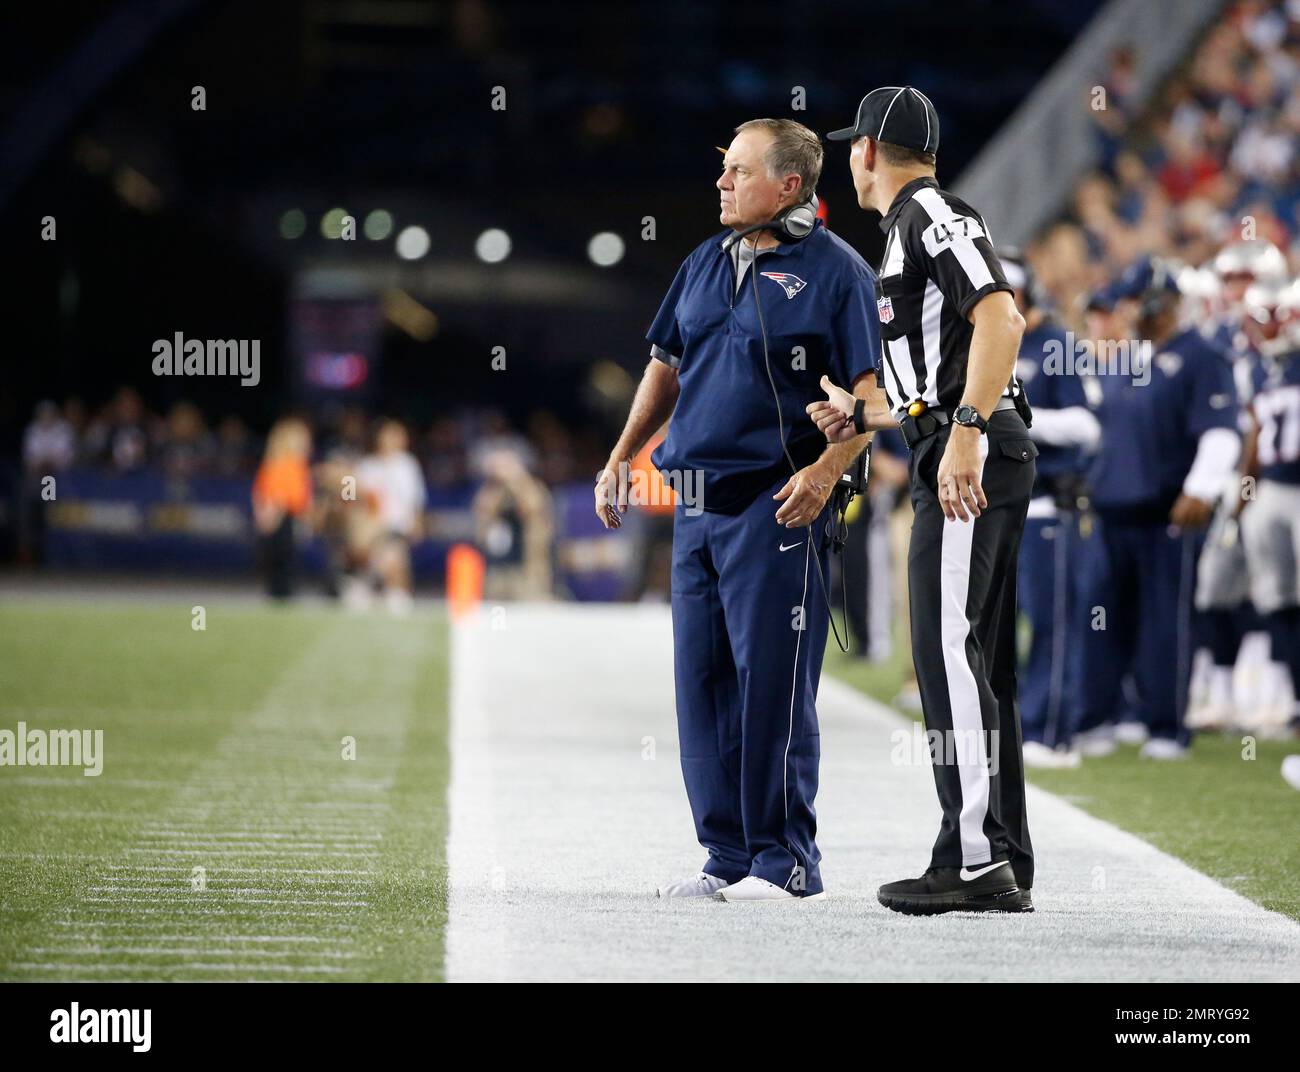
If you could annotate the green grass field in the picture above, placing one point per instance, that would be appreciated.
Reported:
(1230, 817)
(223, 750)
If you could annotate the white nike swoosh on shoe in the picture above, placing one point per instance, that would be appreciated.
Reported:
(968, 876)
(793, 545)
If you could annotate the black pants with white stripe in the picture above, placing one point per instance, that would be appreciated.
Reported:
(962, 581)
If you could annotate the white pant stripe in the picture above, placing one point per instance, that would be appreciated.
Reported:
(963, 693)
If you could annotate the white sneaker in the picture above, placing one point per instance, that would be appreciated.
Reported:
(1163, 748)
(753, 888)
(701, 885)
(1291, 771)
(357, 594)
(1039, 755)
(1211, 717)
(399, 602)
(1096, 742)
(1266, 720)
(1132, 733)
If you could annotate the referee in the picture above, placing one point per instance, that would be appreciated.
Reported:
(950, 333)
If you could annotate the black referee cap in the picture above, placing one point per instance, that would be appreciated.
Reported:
(899, 115)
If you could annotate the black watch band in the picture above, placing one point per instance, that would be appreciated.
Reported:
(860, 416)
(969, 417)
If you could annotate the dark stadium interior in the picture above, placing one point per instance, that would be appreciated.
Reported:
(168, 218)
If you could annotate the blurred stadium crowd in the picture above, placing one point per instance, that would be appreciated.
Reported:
(1190, 226)
(1168, 491)
(305, 475)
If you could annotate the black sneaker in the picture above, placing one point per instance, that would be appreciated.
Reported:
(1026, 890)
(989, 888)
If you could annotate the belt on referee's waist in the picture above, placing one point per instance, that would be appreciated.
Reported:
(917, 428)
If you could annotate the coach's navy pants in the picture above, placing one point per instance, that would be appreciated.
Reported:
(749, 631)
(1049, 595)
(1139, 580)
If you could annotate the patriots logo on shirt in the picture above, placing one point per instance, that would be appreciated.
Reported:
(1169, 363)
(885, 306)
(791, 284)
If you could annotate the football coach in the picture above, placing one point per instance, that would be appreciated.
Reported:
(755, 317)
(950, 335)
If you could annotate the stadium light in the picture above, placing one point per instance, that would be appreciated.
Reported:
(605, 249)
(331, 224)
(378, 225)
(493, 246)
(412, 243)
(293, 224)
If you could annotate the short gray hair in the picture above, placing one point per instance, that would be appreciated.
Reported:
(794, 150)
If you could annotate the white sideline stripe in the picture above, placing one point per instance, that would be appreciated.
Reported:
(548, 894)
(957, 544)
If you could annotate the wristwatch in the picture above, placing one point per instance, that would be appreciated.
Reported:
(970, 417)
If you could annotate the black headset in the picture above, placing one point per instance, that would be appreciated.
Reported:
(793, 224)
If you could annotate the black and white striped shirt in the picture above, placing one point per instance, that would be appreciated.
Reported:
(939, 262)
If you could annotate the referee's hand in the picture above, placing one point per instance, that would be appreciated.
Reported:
(834, 417)
(960, 494)
(611, 492)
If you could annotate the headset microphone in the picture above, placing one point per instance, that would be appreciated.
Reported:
(793, 225)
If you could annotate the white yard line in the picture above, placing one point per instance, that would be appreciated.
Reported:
(122, 929)
(244, 803)
(182, 951)
(188, 968)
(179, 869)
(560, 831)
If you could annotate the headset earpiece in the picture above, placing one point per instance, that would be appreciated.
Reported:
(797, 222)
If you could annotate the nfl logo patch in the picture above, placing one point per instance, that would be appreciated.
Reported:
(886, 307)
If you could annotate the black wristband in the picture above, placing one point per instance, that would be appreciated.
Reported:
(859, 416)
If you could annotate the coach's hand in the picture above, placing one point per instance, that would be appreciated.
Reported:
(1190, 512)
(611, 492)
(834, 417)
(960, 494)
(805, 494)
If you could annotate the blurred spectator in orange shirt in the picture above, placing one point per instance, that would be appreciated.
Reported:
(282, 494)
